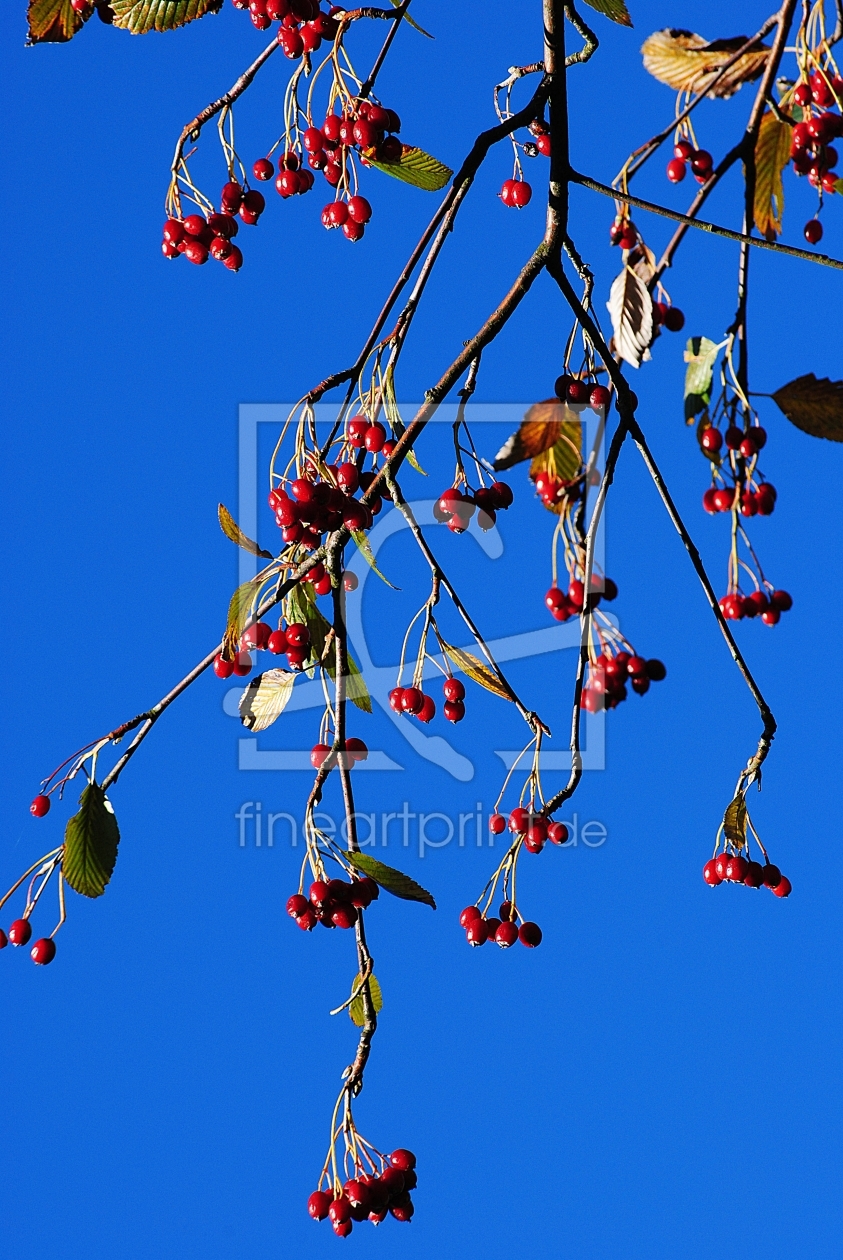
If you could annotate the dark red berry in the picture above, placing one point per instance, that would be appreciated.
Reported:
(318, 1204)
(412, 700)
(557, 833)
(454, 710)
(476, 933)
(20, 932)
(453, 689)
(754, 876)
(770, 874)
(530, 934)
(507, 934)
(43, 951)
(783, 888)
(296, 906)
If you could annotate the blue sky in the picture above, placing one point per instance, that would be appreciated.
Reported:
(661, 1076)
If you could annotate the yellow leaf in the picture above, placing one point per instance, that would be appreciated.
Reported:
(265, 698)
(239, 609)
(356, 1010)
(475, 669)
(687, 63)
(772, 153)
(545, 426)
(232, 530)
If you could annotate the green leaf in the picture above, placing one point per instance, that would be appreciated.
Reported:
(772, 153)
(417, 168)
(141, 16)
(52, 22)
(232, 530)
(239, 611)
(91, 838)
(409, 20)
(356, 1010)
(476, 670)
(265, 698)
(395, 882)
(700, 355)
(838, 186)
(815, 407)
(734, 822)
(366, 551)
(302, 608)
(616, 10)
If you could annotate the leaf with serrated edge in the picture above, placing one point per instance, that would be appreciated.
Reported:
(545, 425)
(265, 699)
(91, 838)
(356, 1010)
(687, 63)
(700, 355)
(139, 17)
(615, 10)
(631, 309)
(475, 669)
(815, 407)
(734, 821)
(395, 882)
(239, 609)
(410, 22)
(368, 555)
(415, 167)
(52, 22)
(772, 154)
(232, 530)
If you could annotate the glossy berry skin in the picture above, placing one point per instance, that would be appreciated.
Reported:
(43, 951)
(453, 689)
(813, 231)
(403, 1159)
(356, 749)
(477, 933)
(340, 1209)
(506, 935)
(454, 710)
(519, 821)
(428, 710)
(754, 876)
(600, 396)
(296, 907)
(557, 833)
(359, 209)
(20, 932)
(277, 642)
(263, 169)
(497, 824)
(736, 868)
(710, 875)
(223, 668)
(412, 700)
(344, 916)
(676, 170)
(578, 392)
(530, 934)
(469, 914)
(771, 875)
(40, 806)
(711, 439)
(319, 755)
(318, 1204)
(395, 699)
(783, 888)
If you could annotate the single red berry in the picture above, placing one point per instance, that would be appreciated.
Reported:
(813, 231)
(476, 932)
(771, 617)
(44, 951)
(296, 906)
(507, 934)
(754, 876)
(428, 710)
(736, 868)
(234, 260)
(711, 439)
(222, 667)
(578, 392)
(710, 874)
(701, 162)
(412, 700)
(4, 940)
(318, 1204)
(710, 501)
(519, 821)
(453, 689)
(277, 642)
(557, 833)
(537, 831)
(40, 806)
(344, 916)
(469, 914)
(454, 710)
(781, 600)
(263, 169)
(600, 396)
(783, 888)
(720, 865)
(359, 209)
(771, 875)
(374, 438)
(395, 696)
(676, 170)
(674, 320)
(530, 934)
(319, 755)
(356, 749)
(196, 251)
(403, 1159)
(506, 910)
(358, 1195)
(497, 824)
(636, 667)
(20, 932)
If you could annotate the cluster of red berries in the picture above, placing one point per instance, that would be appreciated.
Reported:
(200, 238)
(540, 130)
(292, 179)
(306, 509)
(294, 642)
(742, 446)
(768, 604)
(333, 903)
(578, 393)
(563, 606)
(504, 931)
(303, 25)
(455, 507)
(729, 867)
(354, 750)
(515, 193)
(20, 933)
(414, 702)
(368, 1196)
(685, 155)
(608, 674)
(535, 828)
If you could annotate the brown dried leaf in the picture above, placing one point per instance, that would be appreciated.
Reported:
(772, 153)
(232, 530)
(734, 821)
(542, 428)
(475, 669)
(815, 407)
(686, 62)
(52, 22)
(630, 306)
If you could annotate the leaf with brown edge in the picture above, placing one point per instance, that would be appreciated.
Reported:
(734, 822)
(615, 10)
(815, 407)
(414, 167)
(52, 22)
(687, 63)
(395, 882)
(266, 698)
(232, 530)
(139, 17)
(631, 309)
(356, 1009)
(91, 838)
(239, 611)
(475, 669)
(772, 154)
(544, 425)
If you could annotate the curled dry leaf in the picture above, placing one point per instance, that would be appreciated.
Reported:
(815, 407)
(772, 153)
(631, 309)
(687, 63)
(734, 821)
(266, 698)
(475, 669)
(545, 425)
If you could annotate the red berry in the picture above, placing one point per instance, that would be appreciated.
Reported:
(44, 951)
(196, 251)
(4, 940)
(519, 821)
(412, 700)
(453, 689)
(319, 755)
(530, 934)
(40, 806)
(600, 396)
(557, 833)
(783, 888)
(318, 1204)
(469, 914)
(403, 1159)
(711, 439)
(356, 749)
(20, 932)
(428, 710)
(344, 916)
(770, 874)
(231, 197)
(374, 438)
(736, 868)
(781, 600)
(506, 910)
(674, 320)
(277, 642)
(263, 169)
(813, 231)
(296, 906)
(454, 710)
(710, 874)
(578, 392)
(507, 934)
(223, 668)
(476, 933)
(701, 162)
(754, 876)
(256, 636)
(676, 170)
